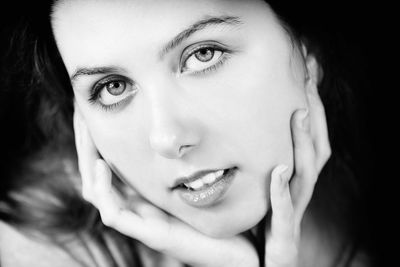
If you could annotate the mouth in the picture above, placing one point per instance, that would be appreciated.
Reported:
(205, 188)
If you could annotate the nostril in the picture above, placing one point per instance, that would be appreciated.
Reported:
(184, 149)
(172, 144)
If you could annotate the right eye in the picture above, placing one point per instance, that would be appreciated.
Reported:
(111, 91)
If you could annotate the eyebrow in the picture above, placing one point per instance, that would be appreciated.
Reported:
(176, 41)
(93, 71)
(197, 26)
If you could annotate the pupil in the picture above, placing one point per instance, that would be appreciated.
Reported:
(204, 54)
(116, 88)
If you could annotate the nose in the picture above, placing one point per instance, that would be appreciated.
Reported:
(170, 144)
(173, 133)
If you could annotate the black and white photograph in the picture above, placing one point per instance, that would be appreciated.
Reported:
(196, 133)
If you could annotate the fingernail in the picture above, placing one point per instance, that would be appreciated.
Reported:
(302, 122)
(280, 170)
(284, 180)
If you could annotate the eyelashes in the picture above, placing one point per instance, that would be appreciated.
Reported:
(112, 91)
(115, 91)
(202, 58)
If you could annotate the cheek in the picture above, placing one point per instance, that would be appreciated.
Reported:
(256, 115)
(256, 118)
(124, 147)
(116, 135)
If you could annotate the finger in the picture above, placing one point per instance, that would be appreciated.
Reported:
(103, 197)
(87, 154)
(78, 143)
(303, 182)
(77, 129)
(111, 211)
(281, 204)
(281, 246)
(320, 129)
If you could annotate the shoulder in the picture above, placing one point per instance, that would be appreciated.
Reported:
(20, 250)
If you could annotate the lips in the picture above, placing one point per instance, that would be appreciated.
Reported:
(194, 181)
(206, 188)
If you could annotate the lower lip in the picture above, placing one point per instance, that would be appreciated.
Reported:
(209, 195)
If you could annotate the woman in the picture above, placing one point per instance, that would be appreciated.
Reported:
(203, 113)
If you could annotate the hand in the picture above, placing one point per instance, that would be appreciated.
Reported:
(139, 219)
(164, 233)
(311, 152)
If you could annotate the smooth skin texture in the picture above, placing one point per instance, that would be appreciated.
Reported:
(170, 122)
(171, 119)
(156, 229)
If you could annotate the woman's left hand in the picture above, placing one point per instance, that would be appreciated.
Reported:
(289, 201)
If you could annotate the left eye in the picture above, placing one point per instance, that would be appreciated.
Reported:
(201, 59)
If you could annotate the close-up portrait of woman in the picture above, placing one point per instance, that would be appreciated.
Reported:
(204, 133)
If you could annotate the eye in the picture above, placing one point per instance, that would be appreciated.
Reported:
(116, 88)
(112, 91)
(203, 58)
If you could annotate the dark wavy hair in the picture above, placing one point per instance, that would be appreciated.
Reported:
(39, 184)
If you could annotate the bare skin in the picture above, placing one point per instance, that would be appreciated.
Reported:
(168, 235)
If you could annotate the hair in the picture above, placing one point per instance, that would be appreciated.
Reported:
(40, 187)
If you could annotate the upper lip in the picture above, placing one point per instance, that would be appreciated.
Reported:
(193, 177)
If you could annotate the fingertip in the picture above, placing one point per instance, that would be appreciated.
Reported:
(277, 178)
(301, 129)
(302, 119)
(279, 170)
(281, 204)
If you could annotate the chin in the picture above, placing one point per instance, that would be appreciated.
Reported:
(232, 228)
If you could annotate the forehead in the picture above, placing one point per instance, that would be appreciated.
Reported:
(96, 27)
(144, 8)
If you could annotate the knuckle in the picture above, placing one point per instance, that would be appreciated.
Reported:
(86, 196)
(328, 152)
(107, 219)
(88, 199)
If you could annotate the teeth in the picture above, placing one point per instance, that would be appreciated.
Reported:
(219, 173)
(207, 179)
(195, 184)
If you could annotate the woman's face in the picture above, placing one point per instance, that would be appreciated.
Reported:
(169, 88)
